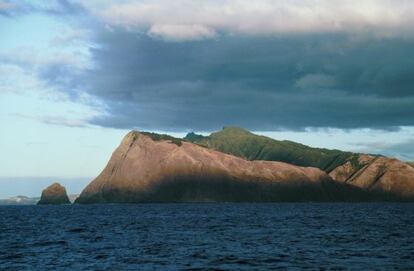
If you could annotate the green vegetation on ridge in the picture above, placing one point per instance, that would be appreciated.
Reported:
(242, 143)
(158, 137)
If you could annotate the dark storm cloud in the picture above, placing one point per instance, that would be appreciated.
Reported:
(261, 83)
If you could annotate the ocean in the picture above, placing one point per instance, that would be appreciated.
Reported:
(208, 236)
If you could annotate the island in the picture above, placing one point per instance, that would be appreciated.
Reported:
(235, 165)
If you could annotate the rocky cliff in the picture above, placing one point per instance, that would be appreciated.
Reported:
(54, 194)
(378, 174)
(156, 168)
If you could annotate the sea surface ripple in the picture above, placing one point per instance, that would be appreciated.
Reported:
(227, 236)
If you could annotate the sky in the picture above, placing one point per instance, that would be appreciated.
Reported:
(76, 76)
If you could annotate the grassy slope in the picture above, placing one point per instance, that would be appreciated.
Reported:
(158, 137)
(244, 144)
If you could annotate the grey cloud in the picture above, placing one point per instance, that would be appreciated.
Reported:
(62, 76)
(249, 81)
(65, 7)
(56, 120)
(55, 8)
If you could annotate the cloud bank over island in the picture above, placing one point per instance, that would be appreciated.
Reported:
(263, 65)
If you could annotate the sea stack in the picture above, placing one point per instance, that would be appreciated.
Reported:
(54, 194)
(158, 168)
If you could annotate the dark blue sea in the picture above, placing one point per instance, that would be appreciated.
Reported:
(293, 236)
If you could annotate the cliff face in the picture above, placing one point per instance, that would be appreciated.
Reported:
(145, 168)
(378, 174)
(54, 194)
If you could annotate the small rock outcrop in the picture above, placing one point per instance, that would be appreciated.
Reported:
(156, 168)
(54, 194)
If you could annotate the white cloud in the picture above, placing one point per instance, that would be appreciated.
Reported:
(188, 19)
(33, 58)
(72, 121)
(315, 80)
(181, 32)
(70, 37)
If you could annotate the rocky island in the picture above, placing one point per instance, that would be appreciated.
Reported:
(54, 194)
(235, 165)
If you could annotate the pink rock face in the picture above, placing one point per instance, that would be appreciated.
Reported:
(347, 170)
(378, 174)
(54, 194)
(145, 170)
